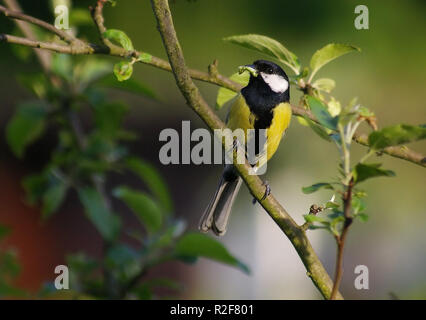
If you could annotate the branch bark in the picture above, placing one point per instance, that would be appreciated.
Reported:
(194, 99)
(35, 43)
(47, 26)
(341, 239)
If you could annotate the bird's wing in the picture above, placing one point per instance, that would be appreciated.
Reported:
(239, 116)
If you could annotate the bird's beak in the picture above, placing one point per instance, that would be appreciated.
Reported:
(250, 68)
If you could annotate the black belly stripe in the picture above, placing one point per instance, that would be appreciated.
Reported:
(263, 121)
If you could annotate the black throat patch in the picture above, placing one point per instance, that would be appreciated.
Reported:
(262, 100)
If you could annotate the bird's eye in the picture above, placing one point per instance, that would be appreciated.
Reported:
(270, 70)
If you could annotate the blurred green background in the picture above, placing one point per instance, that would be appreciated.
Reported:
(388, 77)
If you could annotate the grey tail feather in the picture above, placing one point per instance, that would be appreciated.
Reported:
(217, 213)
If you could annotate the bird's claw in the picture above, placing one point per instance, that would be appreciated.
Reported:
(267, 190)
(266, 194)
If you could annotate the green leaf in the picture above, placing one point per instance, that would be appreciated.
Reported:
(81, 264)
(339, 219)
(131, 85)
(358, 205)
(363, 172)
(53, 197)
(145, 208)
(35, 185)
(4, 231)
(107, 223)
(334, 107)
(109, 117)
(123, 261)
(201, 245)
(145, 57)
(303, 121)
(91, 70)
(360, 193)
(9, 266)
(362, 216)
(319, 130)
(329, 53)
(123, 70)
(80, 17)
(295, 78)
(9, 270)
(112, 2)
(26, 126)
(396, 135)
(224, 94)
(7, 291)
(62, 65)
(315, 187)
(21, 52)
(365, 112)
(331, 205)
(321, 113)
(120, 37)
(155, 182)
(142, 292)
(37, 83)
(269, 47)
(316, 227)
(167, 237)
(312, 218)
(324, 84)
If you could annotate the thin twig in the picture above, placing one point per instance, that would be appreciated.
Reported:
(36, 44)
(47, 26)
(341, 239)
(43, 56)
(400, 152)
(98, 18)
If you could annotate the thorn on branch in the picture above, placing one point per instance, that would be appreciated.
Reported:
(213, 71)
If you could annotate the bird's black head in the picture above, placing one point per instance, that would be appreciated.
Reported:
(268, 86)
(269, 68)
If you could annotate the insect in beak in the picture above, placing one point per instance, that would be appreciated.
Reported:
(250, 68)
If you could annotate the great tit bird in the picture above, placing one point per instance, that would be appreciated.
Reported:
(262, 104)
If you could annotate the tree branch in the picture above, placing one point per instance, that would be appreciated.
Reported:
(194, 99)
(43, 56)
(47, 26)
(401, 152)
(81, 47)
(341, 239)
(35, 44)
(98, 19)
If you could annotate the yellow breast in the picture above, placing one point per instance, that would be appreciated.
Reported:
(280, 123)
(241, 117)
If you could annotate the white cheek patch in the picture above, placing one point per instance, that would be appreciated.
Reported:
(277, 83)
